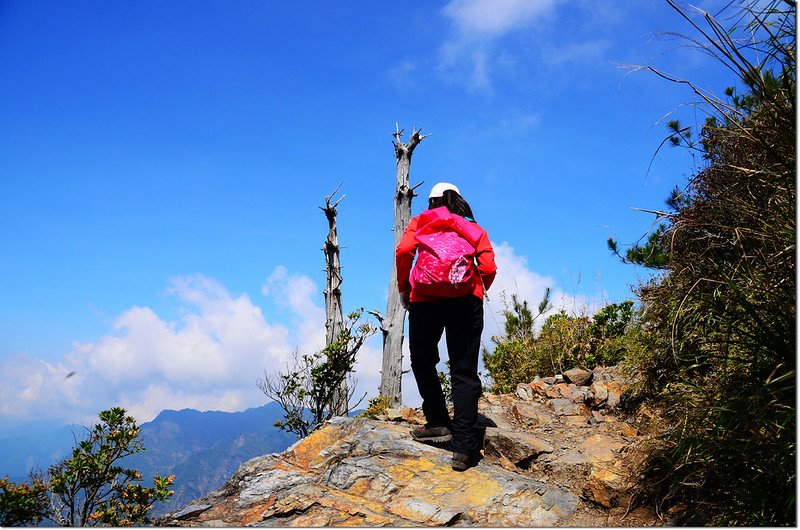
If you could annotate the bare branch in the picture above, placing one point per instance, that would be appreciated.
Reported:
(377, 315)
(654, 212)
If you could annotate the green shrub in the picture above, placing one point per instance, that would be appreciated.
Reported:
(510, 363)
(308, 391)
(564, 342)
(608, 334)
(22, 504)
(92, 487)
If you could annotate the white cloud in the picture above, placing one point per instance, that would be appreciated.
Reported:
(535, 44)
(515, 277)
(492, 18)
(147, 402)
(521, 121)
(404, 74)
(34, 389)
(208, 359)
(295, 293)
(480, 79)
(218, 337)
(367, 369)
(588, 52)
(468, 55)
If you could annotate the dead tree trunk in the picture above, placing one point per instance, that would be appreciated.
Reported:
(392, 322)
(333, 297)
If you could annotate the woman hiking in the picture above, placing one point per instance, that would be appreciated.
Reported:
(444, 293)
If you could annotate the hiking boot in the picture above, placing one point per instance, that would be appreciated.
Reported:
(464, 461)
(432, 434)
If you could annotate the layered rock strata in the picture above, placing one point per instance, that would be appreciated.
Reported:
(554, 455)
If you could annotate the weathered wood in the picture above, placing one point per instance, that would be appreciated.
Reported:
(392, 322)
(334, 317)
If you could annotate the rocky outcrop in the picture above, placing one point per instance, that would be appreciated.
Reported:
(552, 457)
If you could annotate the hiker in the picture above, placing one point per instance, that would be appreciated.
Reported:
(444, 292)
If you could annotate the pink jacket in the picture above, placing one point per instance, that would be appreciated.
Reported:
(469, 230)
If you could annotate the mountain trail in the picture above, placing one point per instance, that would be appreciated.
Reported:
(556, 453)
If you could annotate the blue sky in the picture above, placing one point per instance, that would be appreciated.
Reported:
(162, 164)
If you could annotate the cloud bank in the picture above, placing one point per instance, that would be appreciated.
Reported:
(208, 359)
(210, 356)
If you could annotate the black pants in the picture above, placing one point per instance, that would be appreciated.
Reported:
(462, 319)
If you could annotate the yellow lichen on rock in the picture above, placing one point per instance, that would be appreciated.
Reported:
(479, 488)
(424, 478)
(404, 471)
(304, 454)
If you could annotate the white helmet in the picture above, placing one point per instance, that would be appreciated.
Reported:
(439, 189)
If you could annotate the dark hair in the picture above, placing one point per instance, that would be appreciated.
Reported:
(453, 202)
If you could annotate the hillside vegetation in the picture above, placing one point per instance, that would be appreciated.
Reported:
(713, 341)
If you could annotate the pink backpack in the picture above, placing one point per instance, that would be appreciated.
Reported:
(445, 264)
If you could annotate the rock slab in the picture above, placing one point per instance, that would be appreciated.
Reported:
(362, 472)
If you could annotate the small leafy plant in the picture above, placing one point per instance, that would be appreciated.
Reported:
(307, 391)
(92, 487)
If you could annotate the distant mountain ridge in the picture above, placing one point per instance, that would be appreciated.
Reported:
(36, 450)
(202, 449)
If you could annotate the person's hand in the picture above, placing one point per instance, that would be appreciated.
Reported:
(405, 299)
